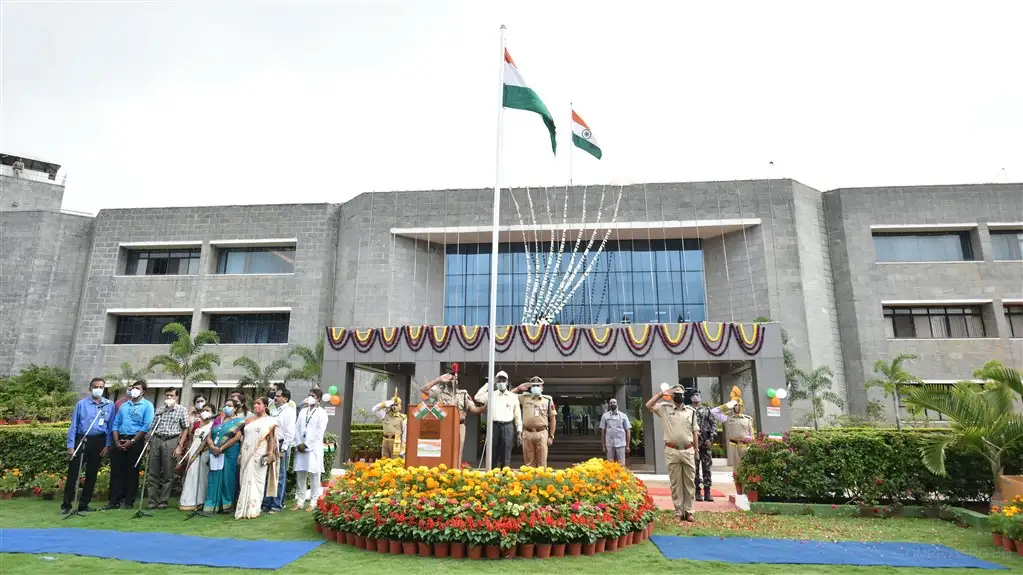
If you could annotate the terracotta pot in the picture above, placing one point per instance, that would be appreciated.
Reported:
(558, 550)
(474, 551)
(753, 496)
(350, 538)
(424, 549)
(526, 550)
(1008, 544)
(360, 542)
(316, 526)
(589, 549)
(441, 549)
(601, 545)
(623, 541)
(340, 537)
(509, 552)
(493, 551)
(637, 536)
(457, 550)
(383, 546)
(1019, 547)
(738, 488)
(575, 549)
(394, 547)
(329, 534)
(543, 550)
(371, 544)
(996, 538)
(408, 547)
(612, 544)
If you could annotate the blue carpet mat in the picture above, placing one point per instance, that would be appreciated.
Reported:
(785, 551)
(156, 547)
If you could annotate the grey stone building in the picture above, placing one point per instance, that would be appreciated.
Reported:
(852, 275)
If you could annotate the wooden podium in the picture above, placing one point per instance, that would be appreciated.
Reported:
(431, 441)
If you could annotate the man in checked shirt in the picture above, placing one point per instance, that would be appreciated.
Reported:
(166, 448)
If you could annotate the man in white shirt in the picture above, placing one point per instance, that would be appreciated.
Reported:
(507, 419)
(309, 430)
(283, 411)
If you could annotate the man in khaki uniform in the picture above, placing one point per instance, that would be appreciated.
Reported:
(389, 412)
(539, 420)
(681, 435)
(445, 391)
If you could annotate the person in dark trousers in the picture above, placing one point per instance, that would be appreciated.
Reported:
(127, 439)
(90, 427)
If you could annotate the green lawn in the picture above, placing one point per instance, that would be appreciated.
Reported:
(643, 558)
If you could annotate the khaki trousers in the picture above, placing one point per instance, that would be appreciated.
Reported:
(461, 444)
(534, 448)
(682, 476)
(387, 447)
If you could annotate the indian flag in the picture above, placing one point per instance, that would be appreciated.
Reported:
(583, 138)
(519, 96)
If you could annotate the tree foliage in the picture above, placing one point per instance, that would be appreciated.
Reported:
(312, 363)
(187, 359)
(816, 386)
(894, 380)
(259, 377)
(125, 376)
(38, 392)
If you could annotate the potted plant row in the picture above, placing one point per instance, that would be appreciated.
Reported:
(1006, 524)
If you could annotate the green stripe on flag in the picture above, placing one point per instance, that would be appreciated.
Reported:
(586, 146)
(519, 98)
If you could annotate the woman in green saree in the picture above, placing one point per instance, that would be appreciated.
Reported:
(224, 443)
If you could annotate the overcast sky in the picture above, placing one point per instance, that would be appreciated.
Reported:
(196, 103)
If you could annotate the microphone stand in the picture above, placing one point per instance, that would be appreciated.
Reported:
(81, 462)
(145, 474)
(197, 510)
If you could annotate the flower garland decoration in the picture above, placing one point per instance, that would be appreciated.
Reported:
(602, 339)
(566, 343)
(504, 339)
(716, 345)
(415, 336)
(389, 338)
(676, 342)
(338, 337)
(440, 337)
(470, 337)
(639, 346)
(751, 345)
(363, 340)
(533, 340)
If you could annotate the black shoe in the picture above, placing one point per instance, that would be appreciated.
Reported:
(152, 506)
(706, 494)
(127, 504)
(85, 509)
(162, 506)
(112, 506)
(698, 496)
(65, 510)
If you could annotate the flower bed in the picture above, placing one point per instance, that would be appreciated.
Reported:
(1006, 524)
(526, 512)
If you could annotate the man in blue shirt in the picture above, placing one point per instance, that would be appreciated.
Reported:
(126, 440)
(90, 424)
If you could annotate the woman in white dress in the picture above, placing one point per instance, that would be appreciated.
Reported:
(197, 462)
(257, 462)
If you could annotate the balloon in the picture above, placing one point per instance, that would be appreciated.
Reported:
(775, 402)
(326, 397)
(771, 392)
(335, 400)
(781, 394)
(664, 387)
(332, 390)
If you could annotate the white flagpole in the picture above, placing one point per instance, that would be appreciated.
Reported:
(493, 259)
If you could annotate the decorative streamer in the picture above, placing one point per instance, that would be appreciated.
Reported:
(566, 343)
(440, 337)
(753, 344)
(715, 344)
(389, 338)
(505, 338)
(471, 336)
(363, 340)
(639, 345)
(602, 339)
(677, 341)
(533, 336)
(415, 336)
(338, 337)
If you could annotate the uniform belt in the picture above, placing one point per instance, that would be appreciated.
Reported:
(389, 436)
(675, 446)
(537, 430)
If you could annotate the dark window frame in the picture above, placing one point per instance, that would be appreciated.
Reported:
(903, 324)
(127, 327)
(243, 328)
(187, 255)
(223, 253)
(965, 245)
(1012, 311)
(1013, 249)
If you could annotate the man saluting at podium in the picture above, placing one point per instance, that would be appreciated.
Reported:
(447, 393)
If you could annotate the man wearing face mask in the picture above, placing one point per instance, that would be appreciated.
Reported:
(90, 426)
(507, 418)
(445, 391)
(283, 411)
(131, 424)
(616, 433)
(395, 426)
(312, 423)
(681, 435)
(708, 419)
(539, 420)
(166, 448)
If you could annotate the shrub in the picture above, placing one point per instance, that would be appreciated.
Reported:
(34, 449)
(868, 465)
(37, 392)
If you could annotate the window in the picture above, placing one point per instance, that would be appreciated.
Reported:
(1014, 317)
(641, 281)
(1007, 244)
(162, 263)
(275, 260)
(251, 327)
(934, 322)
(923, 247)
(147, 329)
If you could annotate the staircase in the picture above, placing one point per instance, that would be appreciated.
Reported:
(567, 450)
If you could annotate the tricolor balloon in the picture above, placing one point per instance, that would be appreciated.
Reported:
(781, 393)
(326, 397)
(771, 392)
(332, 390)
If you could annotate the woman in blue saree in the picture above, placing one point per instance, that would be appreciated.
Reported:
(224, 443)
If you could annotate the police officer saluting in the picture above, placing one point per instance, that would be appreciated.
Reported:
(538, 422)
(681, 435)
(445, 391)
(708, 419)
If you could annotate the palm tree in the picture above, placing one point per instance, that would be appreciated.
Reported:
(893, 376)
(816, 386)
(125, 377)
(312, 363)
(187, 360)
(980, 418)
(258, 377)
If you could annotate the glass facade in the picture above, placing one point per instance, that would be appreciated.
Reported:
(1007, 245)
(657, 281)
(923, 247)
(251, 327)
(256, 260)
(147, 329)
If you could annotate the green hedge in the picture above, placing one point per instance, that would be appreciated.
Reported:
(871, 465)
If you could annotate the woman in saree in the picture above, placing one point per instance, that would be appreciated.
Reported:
(197, 463)
(258, 462)
(224, 443)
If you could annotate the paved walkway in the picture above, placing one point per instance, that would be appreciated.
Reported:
(722, 487)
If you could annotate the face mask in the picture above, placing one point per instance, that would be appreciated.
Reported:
(135, 393)
(678, 397)
(614, 407)
(272, 394)
(502, 385)
(228, 410)
(97, 392)
(169, 402)
(310, 400)
(200, 404)
(535, 390)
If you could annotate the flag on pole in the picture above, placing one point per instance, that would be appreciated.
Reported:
(583, 138)
(519, 96)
